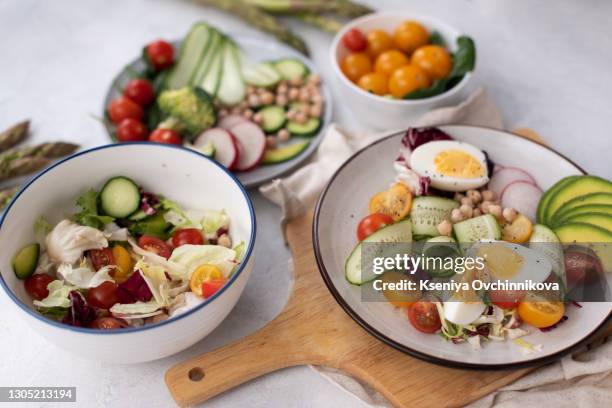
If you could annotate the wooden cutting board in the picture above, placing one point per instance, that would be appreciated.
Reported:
(313, 329)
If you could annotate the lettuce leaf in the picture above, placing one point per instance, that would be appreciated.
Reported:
(136, 310)
(83, 276)
(58, 295)
(215, 220)
(175, 214)
(157, 281)
(193, 256)
(89, 211)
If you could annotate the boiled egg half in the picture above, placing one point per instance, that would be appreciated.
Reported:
(450, 165)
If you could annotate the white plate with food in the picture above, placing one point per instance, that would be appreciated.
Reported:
(257, 107)
(440, 186)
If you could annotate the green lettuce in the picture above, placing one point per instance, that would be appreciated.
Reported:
(89, 211)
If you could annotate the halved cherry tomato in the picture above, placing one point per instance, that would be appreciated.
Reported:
(36, 285)
(394, 202)
(354, 40)
(204, 273)
(123, 108)
(372, 223)
(124, 264)
(389, 61)
(103, 296)
(407, 79)
(131, 130)
(209, 288)
(539, 312)
(399, 298)
(518, 231)
(356, 65)
(378, 42)
(435, 60)
(101, 258)
(167, 136)
(140, 91)
(161, 54)
(187, 236)
(409, 36)
(424, 316)
(108, 323)
(506, 299)
(155, 245)
(374, 82)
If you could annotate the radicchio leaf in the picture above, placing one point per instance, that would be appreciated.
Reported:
(134, 289)
(415, 137)
(79, 314)
(148, 201)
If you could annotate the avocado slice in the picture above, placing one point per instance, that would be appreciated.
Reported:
(575, 188)
(26, 261)
(282, 154)
(587, 199)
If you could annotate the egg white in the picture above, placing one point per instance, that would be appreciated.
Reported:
(422, 162)
(463, 313)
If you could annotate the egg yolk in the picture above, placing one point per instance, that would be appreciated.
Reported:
(502, 262)
(457, 163)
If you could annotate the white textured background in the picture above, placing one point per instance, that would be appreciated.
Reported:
(546, 63)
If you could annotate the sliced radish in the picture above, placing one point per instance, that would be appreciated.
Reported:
(497, 168)
(230, 121)
(253, 142)
(502, 178)
(226, 146)
(523, 196)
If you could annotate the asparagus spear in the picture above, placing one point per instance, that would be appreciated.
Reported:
(260, 20)
(19, 162)
(14, 135)
(324, 23)
(23, 166)
(342, 8)
(6, 196)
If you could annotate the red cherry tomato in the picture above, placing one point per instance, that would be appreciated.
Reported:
(424, 316)
(155, 245)
(354, 40)
(140, 91)
(101, 258)
(191, 236)
(108, 323)
(161, 54)
(36, 285)
(103, 296)
(123, 108)
(131, 130)
(167, 136)
(371, 224)
(506, 299)
(211, 287)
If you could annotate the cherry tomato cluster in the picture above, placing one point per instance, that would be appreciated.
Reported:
(394, 64)
(127, 111)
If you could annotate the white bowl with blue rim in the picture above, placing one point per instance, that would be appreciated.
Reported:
(183, 175)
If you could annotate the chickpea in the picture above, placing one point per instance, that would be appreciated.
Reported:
(304, 95)
(267, 98)
(304, 108)
(224, 240)
(316, 97)
(476, 212)
(509, 214)
(466, 210)
(236, 110)
(315, 111)
(261, 91)
(495, 210)
(254, 101)
(488, 195)
(456, 215)
(466, 201)
(484, 206)
(248, 114)
(283, 135)
(223, 113)
(258, 118)
(271, 141)
(281, 100)
(445, 228)
(458, 197)
(244, 104)
(301, 118)
(314, 79)
(291, 114)
(294, 94)
(250, 89)
(475, 196)
(296, 81)
(282, 89)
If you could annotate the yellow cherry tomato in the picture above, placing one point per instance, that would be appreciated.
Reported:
(434, 60)
(356, 65)
(204, 273)
(389, 61)
(407, 79)
(399, 298)
(541, 313)
(395, 202)
(123, 262)
(378, 42)
(518, 231)
(374, 82)
(409, 36)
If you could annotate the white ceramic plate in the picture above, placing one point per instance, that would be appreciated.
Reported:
(257, 50)
(345, 201)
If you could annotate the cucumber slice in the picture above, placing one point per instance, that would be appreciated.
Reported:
(484, 227)
(310, 128)
(282, 154)
(274, 118)
(120, 197)
(155, 226)
(232, 89)
(428, 212)
(191, 53)
(137, 216)
(291, 68)
(544, 240)
(400, 232)
(26, 261)
(212, 50)
(212, 78)
(263, 74)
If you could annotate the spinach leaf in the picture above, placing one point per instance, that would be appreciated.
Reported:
(436, 39)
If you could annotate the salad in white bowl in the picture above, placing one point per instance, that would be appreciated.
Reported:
(128, 258)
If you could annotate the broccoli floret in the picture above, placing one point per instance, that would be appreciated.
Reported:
(188, 109)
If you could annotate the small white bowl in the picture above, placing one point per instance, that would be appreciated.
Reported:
(386, 113)
(183, 175)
